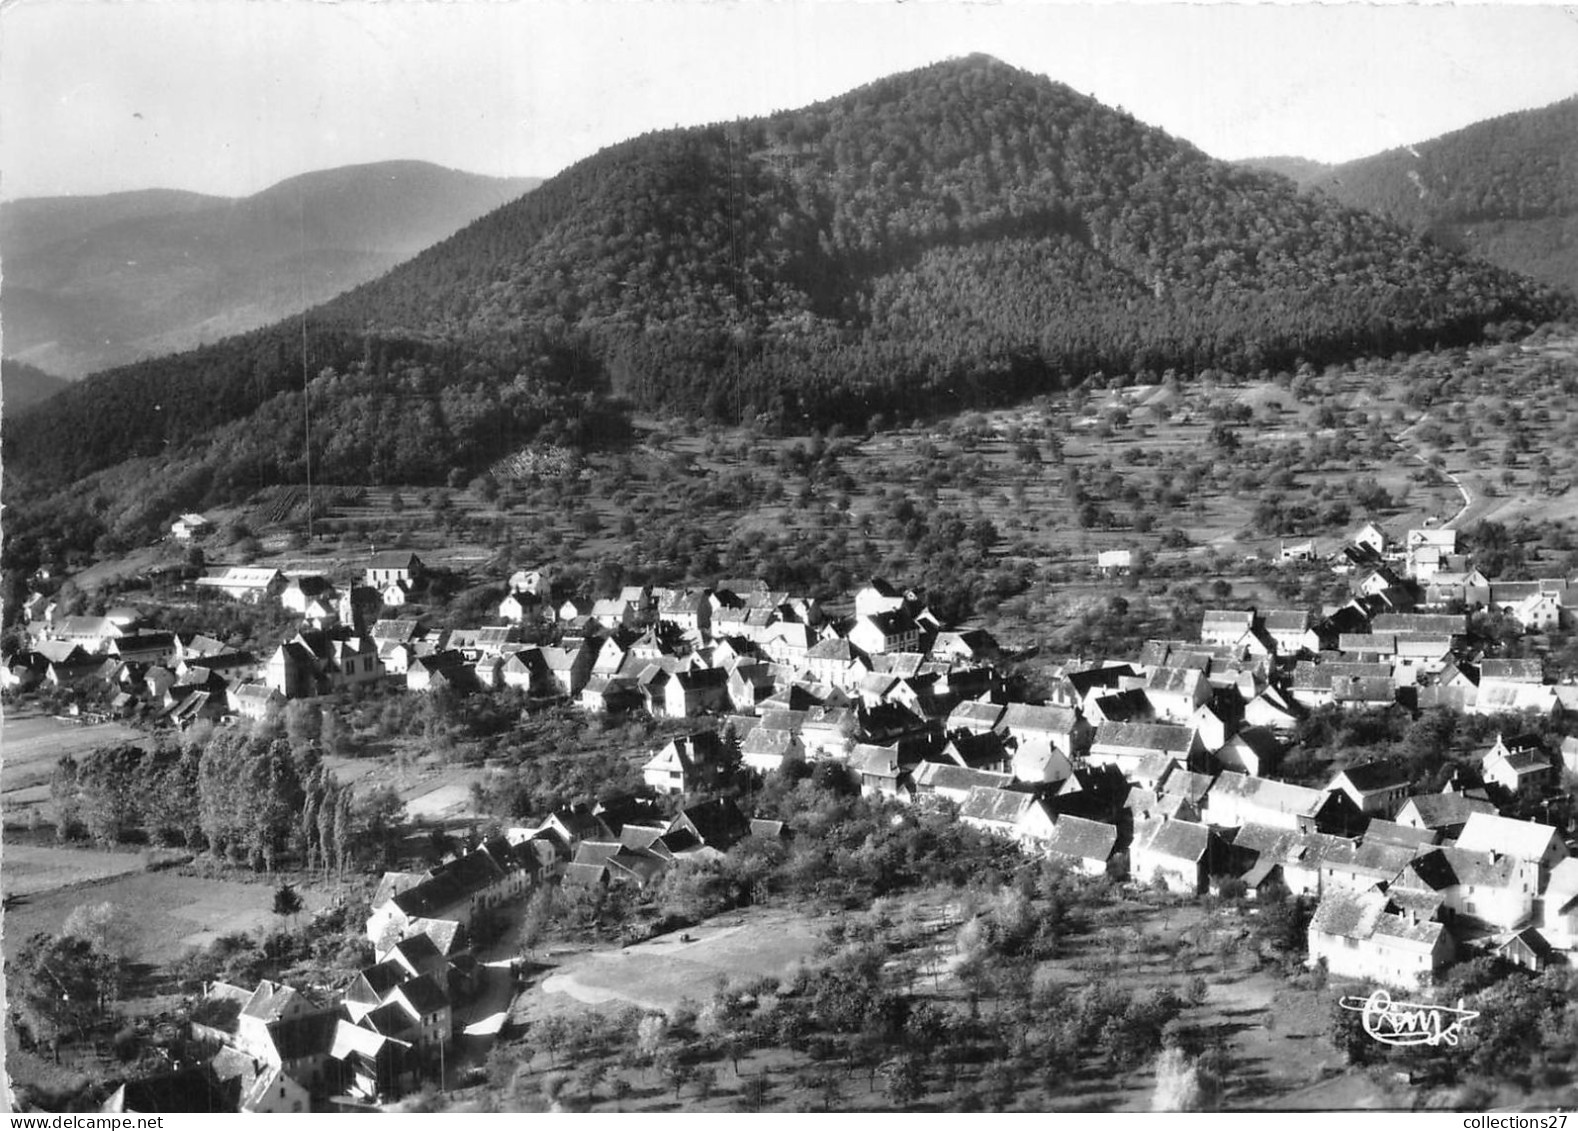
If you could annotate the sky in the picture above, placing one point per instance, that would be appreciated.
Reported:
(231, 96)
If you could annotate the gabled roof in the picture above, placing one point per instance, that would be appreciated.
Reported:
(1376, 776)
(1488, 832)
(1347, 914)
(356, 1040)
(1439, 810)
(1181, 840)
(942, 776)
(1025, 717)
(1143, 736)
(995, 806)
(270, 1001)
(394, 559)
(876, 761)
(718, 821)
(1513, 671)
(422, 993)
(1286, 620)
(1389, 832)
(1272, 795)
(1079, 839)
(1446, 867)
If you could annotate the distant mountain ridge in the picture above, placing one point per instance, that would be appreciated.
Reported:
(963, 234)
(1504, 189)
(94, 282)
(23, 387)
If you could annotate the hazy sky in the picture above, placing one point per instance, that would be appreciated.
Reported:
(230, 96)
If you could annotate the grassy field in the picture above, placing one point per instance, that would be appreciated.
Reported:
(33, 743)
(661, 973)
(167, 912)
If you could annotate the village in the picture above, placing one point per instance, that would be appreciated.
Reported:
(1161, 770)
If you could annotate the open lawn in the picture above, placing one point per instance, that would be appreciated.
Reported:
(28, 869)
(664, 971)
(167, 912)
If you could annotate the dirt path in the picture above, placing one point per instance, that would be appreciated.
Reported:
(1468, 499)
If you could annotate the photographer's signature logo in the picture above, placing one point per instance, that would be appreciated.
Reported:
(1408, 1023)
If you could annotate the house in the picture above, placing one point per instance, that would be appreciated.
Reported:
(1377, 787)
(613, 613)
(1060, 728)
(1525, 840)
(717, 823)
(688, 764)
(519, 606)
(1175, 854)
(880, 771)
(878, 596)
(1524, 671)
(1569, 755)
(190, 526)
(766, 749)
(255, 700)
(457, 890)
(997, 811)
(1290, 631)
(391, 567)
(696, 691)
(1558, 906)
(985, 751)
(1537, 612)
(1453, 626)
(1088, 846)
(1358, 865)
(1114, 563)
(1176, 693)
(610, 694)
(273, 1091)
(1484, 888)
(304, 592)
(1254, 750)
(885, 632)
(427, 1007)
(1363, 693)
(1124, 745)
(974, 716)
(371, 1065)
(953, 783)
(1442, 813)
(1518, 767)
(1226, 627)
(252, 585)
(1304, 551)
(1372, 538)
(1365, 935)
(689, 611)
(1238, 799)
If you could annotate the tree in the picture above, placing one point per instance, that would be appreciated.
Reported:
(54, 987)
(903, 1080)
(104, 927)
(287, 901)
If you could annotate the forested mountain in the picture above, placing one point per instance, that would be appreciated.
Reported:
(22, 386)
(963, 234)
(92, 282)
(1299, 170)
(1505, 189)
